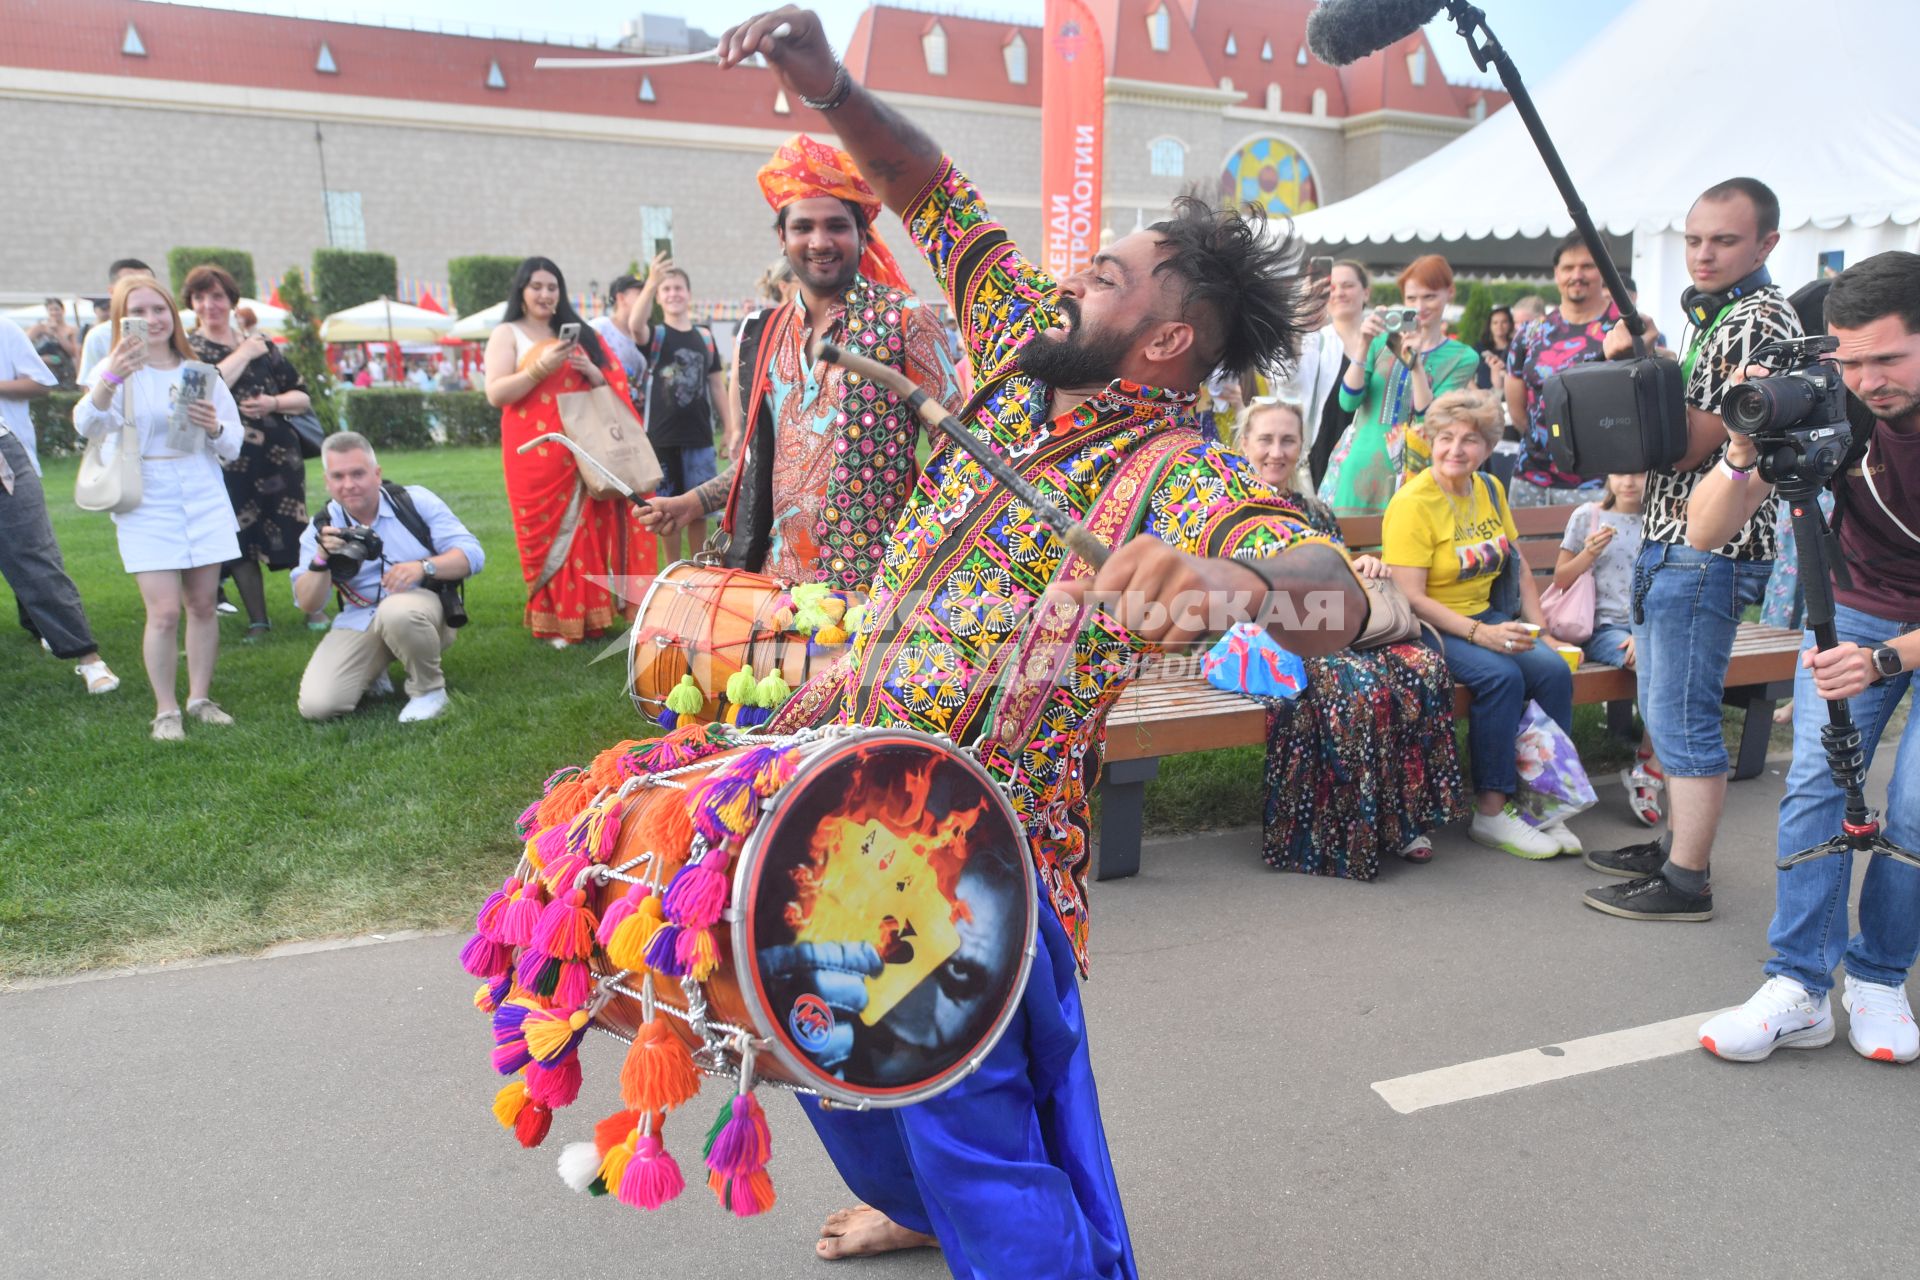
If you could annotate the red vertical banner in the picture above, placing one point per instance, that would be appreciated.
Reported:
(1073, 122)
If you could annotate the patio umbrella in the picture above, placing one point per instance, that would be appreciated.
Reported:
(479, 325)
(384, 320)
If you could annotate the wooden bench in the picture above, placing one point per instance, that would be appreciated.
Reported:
(1158, 718)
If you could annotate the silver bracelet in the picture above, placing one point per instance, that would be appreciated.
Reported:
(836, 95)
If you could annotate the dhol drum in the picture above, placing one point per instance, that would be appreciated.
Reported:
(712, 643)
(845, 912)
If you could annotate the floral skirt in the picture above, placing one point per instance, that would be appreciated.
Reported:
(1362, 762)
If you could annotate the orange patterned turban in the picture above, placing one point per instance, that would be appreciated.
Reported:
(806, 169)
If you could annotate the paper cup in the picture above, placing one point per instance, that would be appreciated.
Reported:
(1531, 630)
(1570, 654)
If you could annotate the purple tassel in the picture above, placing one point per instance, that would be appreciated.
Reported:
(751, 717)
(523, 825)
(510, 1052)
(663, 952)
(484, 958)
(667, 718)
(498, 989)
(698, 893)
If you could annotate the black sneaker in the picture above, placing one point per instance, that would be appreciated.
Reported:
(1632, 862)
(1650, 898)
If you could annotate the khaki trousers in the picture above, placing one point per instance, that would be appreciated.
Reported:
(408, 626)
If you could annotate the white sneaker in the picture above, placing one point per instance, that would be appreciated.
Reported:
(1507, 832)
(424, 707)
(1880, 1022)
(1780, 1015)
(382, 686)
(98, 677)
(1557, 832)
(226, 607)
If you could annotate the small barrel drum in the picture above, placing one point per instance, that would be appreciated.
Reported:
(847, 912)
(700, 624)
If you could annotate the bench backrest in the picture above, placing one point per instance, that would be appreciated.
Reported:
(1541, 529)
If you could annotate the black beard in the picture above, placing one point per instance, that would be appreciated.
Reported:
(810, 275)
(1084, 358)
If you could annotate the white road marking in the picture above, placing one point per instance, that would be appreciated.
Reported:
(1436, 1088)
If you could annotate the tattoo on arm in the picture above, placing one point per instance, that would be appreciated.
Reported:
(889, 170)
(895, 154)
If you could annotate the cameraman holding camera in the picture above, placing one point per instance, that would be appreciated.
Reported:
(392, 554)
(1873, 310)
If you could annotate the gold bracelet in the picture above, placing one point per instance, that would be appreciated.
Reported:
(1473, 630)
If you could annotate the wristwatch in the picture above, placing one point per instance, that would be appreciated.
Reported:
(426, 567)
(1886, 661)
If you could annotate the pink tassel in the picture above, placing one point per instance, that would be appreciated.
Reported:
(487, 919)
(740, 1142)
(653, 1176)
(484, 958)
(523, 825)
(550, 844)
(537, 973)
(522, 916)
(623, 906)
(575, 985)
(561, 872)
(557, 1085)
(698, 893)
(566, 927)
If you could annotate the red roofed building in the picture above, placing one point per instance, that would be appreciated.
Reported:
(281, 135)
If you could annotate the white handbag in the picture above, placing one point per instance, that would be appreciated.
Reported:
(113, 486)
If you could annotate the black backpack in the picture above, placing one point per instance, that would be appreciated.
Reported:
(453, 595)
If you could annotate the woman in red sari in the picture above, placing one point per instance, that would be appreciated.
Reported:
(572, 547)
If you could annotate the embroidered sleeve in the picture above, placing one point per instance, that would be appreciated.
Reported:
(1209, 503)
(999, 298)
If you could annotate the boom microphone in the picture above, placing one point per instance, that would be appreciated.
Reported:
(1343, 31)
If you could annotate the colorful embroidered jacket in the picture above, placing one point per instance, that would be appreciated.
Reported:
(949, 646)
(830, 456)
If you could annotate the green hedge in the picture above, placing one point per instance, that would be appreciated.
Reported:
(238, 262)
(479, 280)
(1500, 293)
(402, 418)
(345, 278)
(305, 351)
(1472, 325)
(52, 418)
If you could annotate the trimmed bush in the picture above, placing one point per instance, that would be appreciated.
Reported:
(238, 262)
(345, 278)
(389, 417)
(464, 417)
(305, 350)
(1471, 328)
(479, 280)
(52, 418)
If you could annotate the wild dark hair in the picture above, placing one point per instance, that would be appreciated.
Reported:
(1241, 287)
(128, 264)
(1887, 284)
(1573, 241)
(563, 312)
(854, 211)
(1766, 205)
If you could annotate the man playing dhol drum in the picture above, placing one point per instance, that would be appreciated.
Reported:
(1008, 1171)
(828, 458)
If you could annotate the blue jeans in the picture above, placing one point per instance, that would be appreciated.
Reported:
(1686, 607)
(684, 469)
(1809, 929)
(1502, 684)
(1607, 644)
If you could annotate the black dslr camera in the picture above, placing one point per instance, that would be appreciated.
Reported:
(358, 545)
(1797, 418)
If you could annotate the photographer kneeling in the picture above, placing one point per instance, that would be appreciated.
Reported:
(1873, 310)
(392, 554)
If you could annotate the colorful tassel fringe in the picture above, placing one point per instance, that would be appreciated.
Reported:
(658, 1074)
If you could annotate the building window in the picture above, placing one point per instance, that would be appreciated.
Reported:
(130, 44)
(1160, 29)
(324, 63)
(1233, 46)
(656, 228)
(934, 46)
(1273, 97)
(1167, 158)
(1300, 58)
(1319, 102)
(1266, 51)
(494, 79)
(646, 90)
(1417, 66)
(1015, 53)
(346, 229)
(781, 107)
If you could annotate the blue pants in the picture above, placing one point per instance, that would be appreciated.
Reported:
(1502, 685)
(1809, 930)
(1009, 1168)
(1687, 606)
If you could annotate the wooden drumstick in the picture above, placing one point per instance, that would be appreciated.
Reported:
(780, 32)
(1079, 539)
(554, 437)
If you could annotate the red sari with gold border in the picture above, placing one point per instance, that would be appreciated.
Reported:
(571, 545)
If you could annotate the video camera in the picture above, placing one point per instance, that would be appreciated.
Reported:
(1796, 418)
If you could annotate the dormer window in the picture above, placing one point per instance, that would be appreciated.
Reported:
(933, 45)
(1160, 29)
(1300, 58)
(781, 107)
(495, 80)
(1417, 66)
(1233, 46)
(130, 44)
(646, 90)
(1015, 53)
(1266, 51)
(324, 64)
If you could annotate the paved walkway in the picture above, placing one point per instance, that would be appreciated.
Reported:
(325, 1115)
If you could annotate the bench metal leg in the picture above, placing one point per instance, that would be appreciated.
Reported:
(1123, 796)
(1620, 720)
(1756, 725)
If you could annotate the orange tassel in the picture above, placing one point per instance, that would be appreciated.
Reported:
(658, 1074)
(665, 827)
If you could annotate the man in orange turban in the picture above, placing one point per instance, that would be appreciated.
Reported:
(826, 460)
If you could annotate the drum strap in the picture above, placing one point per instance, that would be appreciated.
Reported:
(772, 333)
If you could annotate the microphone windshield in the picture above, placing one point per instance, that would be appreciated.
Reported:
(1343, 31)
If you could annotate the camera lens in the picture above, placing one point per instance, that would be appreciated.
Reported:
(1769, 403)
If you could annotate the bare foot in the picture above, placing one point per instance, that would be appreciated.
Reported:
(864, 1230)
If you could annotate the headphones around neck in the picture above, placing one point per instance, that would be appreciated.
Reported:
(1704, 308)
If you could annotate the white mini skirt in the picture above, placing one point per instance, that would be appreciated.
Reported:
(184, 519)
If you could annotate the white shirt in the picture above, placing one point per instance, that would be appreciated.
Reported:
(18, 359)
(398, 546)
(97, 346)
(624, 348)
(152, 394)
(1320, 354)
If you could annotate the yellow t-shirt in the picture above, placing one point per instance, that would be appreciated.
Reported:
(1463, 545)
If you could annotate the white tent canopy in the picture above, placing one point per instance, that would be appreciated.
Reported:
(384, 320)
(476, 326)
(1825, 115)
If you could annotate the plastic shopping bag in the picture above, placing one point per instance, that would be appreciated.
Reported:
(1553, 782)
(1247, 660)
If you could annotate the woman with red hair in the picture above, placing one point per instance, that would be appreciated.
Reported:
(1391, 379)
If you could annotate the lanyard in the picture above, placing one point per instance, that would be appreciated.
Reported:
(1699, 342)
